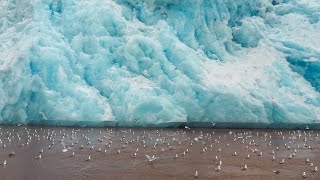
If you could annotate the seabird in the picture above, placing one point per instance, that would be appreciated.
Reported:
(151, 159)
(38, 157)
(88, 159)
(304, 175)
(315, 169)
(218, 168)
(307, 160)
(216, 158)
(282, 161)
(276, 171)
(213, 124)
(196, 174)
(4, 163)
(176, 156)
(219, 162)
(272, 152)
(245, 167)
(72, 154)
(11, 154)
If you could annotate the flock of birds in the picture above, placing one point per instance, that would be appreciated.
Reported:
(115, 141)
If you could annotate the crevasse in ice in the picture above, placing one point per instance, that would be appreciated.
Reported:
(155, 62)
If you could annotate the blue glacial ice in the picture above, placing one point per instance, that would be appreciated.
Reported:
(159, 62)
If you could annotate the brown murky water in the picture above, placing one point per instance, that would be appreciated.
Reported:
(165, 144)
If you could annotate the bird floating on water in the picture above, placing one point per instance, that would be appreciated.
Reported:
(11, 154)
(218, 168)
(196, 174)
(307, 160)
(88, 159)
(245, 167)
(248, 156)
(176, 156)
(72, 154)
(276, 171)
(304, 175)
(38, 157)
(282, 161)
(4, 163)
(315, 169)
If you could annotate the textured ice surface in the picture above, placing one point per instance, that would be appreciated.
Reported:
(156, 62)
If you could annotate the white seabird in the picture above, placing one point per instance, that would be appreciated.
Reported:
(245, 167)
(88, 159)
(196, 174)
(304, 175)
(218, 168)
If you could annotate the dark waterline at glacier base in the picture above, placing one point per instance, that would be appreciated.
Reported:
(217, 125)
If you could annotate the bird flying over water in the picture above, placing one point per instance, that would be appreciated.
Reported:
(151, 158)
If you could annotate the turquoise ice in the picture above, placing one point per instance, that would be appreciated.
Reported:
(156, 62)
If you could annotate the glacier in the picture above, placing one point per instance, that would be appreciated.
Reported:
(160, 62)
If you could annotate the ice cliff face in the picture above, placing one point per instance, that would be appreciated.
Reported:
(152, 62)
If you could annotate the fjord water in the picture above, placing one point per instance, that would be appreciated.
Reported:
(196, 150)
(160, 63)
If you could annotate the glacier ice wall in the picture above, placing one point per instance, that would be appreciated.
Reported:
(154, 62)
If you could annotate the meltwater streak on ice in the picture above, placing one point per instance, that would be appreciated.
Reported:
(160, 63)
